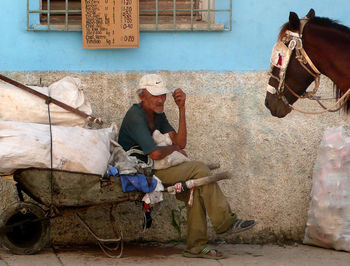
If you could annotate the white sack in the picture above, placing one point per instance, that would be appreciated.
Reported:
(328, 223)
(24, 145)
(20, 105)
(172, 159)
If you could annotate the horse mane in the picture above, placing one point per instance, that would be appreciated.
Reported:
(322, 21)
(284, 27)
(329, 23)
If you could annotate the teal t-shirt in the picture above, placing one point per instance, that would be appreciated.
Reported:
(135, 130)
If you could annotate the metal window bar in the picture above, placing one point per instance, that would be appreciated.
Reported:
(230, 15)
(48, 14)
(157, 7)
(48, 26)
(192, 14)
(66, 16)
(209, 19)
(174, 13)
(156, 27)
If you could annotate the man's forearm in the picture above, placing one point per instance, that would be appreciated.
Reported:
(163, 151)
(181, 136)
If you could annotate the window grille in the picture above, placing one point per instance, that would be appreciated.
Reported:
(155, 15)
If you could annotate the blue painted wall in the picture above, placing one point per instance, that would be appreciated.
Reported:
(247, 47)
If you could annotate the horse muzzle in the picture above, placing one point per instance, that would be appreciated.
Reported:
(276, 106)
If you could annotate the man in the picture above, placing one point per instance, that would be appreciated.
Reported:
(136, 130)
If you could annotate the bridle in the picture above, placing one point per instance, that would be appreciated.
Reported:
(289, 42)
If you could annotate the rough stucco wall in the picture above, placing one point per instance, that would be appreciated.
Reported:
(271, 159)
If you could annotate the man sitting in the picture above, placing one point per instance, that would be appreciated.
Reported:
(139, 123)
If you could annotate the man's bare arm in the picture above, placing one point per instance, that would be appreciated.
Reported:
(180, 137)
(163, 151)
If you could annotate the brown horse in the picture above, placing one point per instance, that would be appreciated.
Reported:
(305, 49)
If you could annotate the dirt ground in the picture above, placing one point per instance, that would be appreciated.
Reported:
(157, 254)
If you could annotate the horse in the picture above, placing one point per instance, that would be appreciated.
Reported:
(307, 48)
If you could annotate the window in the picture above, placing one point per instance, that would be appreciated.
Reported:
(58, 10)
(155, 15)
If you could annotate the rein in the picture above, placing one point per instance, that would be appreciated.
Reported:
(344, 98)
(295, 42)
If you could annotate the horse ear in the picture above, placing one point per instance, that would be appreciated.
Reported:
(294, 22)
(311, 13)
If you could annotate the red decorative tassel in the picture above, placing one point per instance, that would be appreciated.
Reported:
(279, 63)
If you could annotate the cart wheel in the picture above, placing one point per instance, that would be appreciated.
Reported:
(27, 237)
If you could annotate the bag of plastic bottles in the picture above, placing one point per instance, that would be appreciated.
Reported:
(328, 223)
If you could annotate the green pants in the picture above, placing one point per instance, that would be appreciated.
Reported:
(206, 199)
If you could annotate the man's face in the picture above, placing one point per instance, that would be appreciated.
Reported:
(154, 103)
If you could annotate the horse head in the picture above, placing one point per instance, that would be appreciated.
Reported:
(306, 48)
(288, 78)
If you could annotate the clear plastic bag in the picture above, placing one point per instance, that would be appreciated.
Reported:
(328, 223)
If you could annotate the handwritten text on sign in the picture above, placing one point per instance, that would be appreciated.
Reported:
(110, 23)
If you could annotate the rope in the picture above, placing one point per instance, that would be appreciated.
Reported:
(51, 156)
(56, 254)
(334, 110)
(344, 97)
(51, 163)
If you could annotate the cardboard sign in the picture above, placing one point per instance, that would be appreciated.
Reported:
(110, 23)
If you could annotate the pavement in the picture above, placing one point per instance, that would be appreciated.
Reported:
(161, 254)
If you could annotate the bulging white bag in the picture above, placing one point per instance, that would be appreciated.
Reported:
(173, 159)
(24, 145)
(328, 223)
(20, 105)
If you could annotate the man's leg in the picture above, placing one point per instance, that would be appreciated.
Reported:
(206, 199)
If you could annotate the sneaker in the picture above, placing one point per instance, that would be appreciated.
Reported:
(241, 225)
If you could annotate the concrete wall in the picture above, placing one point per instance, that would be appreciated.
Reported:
(271, 159)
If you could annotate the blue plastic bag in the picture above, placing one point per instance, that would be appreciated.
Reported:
(137, 182)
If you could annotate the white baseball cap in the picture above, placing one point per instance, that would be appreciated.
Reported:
(154, 84)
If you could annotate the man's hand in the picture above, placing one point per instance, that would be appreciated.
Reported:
(183, 152)
(179, 98)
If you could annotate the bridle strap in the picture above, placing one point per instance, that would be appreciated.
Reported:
(313, 67)
(310, 96)
(303, 22)
(307, 95)
(295, 42)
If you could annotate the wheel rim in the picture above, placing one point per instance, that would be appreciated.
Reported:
(27, 234)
